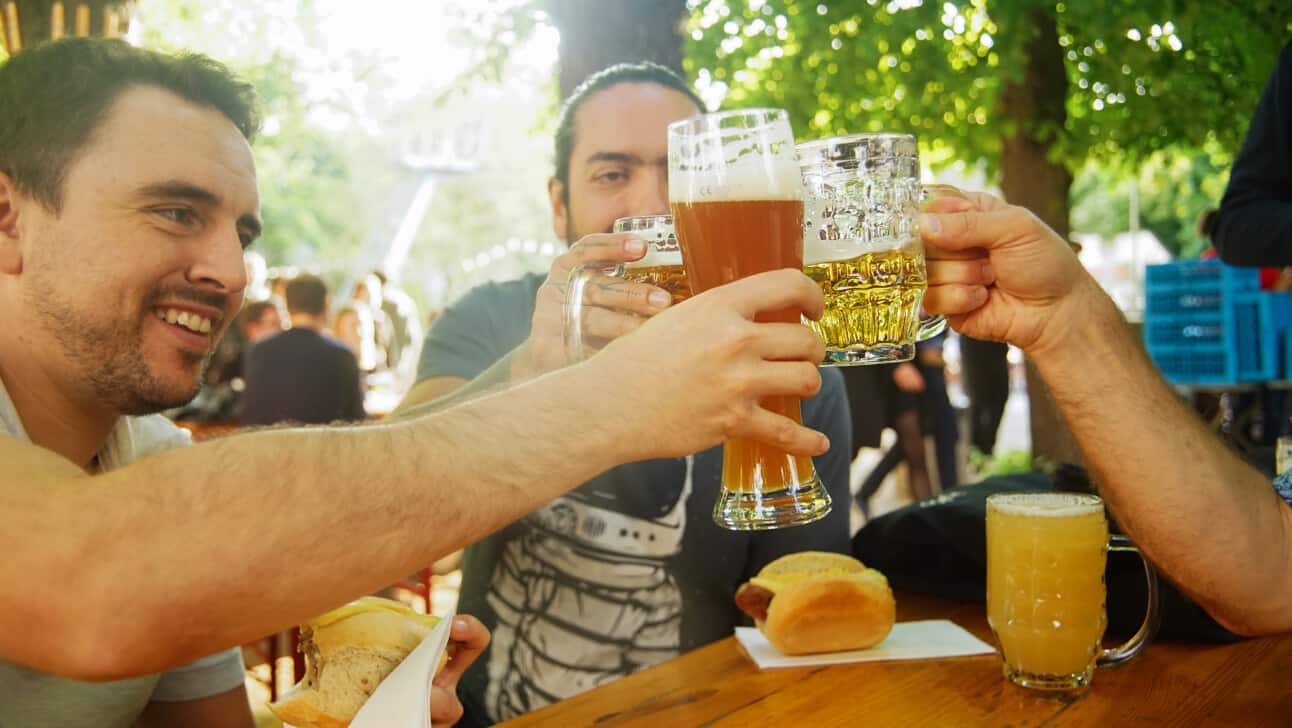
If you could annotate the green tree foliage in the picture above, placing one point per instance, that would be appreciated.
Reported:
(1143, 75)
(303, 168)
(1174, 188)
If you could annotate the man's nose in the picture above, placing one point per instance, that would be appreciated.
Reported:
(651, 194)
(219, 264)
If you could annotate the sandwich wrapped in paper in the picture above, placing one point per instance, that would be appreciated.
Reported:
(348, 652)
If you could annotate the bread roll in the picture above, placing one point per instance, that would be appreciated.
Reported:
(348, 652)
(815, 601)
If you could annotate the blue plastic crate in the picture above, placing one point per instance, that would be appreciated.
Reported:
(1260, 323)
(1206, 328)
(1195, 365)
(1201, 274)
(1208, 323)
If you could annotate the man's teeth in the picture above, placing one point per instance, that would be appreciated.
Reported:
(190, 321)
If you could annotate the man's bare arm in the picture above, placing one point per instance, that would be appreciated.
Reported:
(1209, 520)
(197, 549)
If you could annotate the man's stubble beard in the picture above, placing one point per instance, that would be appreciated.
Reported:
(110, 357)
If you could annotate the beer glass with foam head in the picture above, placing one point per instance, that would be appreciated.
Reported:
(1046, 554)
(661, 267)
(737, 202)
(862, 246)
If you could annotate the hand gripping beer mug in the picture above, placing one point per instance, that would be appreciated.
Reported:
(1046, 554)
(862, 246)
(661, 267)
(737, 202)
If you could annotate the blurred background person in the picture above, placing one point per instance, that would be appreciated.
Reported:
(353, 326)
(301, 375)
(405, 342)
(984, 369)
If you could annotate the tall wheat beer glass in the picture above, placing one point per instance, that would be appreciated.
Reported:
(737, 201)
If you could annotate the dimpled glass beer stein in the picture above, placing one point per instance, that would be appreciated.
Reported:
(862, 246)
(737, 202)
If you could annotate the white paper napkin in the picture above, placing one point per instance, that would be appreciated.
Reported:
(403, 699)
(907, 641)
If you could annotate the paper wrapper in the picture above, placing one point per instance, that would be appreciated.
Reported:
(403, 699)
(908, 641)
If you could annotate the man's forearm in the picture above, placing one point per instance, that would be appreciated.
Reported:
(410, 492)
(492, 380)
(1210, 521)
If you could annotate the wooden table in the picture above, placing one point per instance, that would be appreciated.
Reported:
(1169, 684)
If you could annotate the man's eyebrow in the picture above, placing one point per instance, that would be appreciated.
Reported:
(621, 157)
(180, 190)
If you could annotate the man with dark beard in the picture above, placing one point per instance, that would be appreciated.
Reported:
(127, 195)
(630, 569)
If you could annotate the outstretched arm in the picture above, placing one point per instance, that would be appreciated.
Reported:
(1212, 523)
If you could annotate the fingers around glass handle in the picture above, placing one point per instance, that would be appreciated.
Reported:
(1152, 611)
(576, 305)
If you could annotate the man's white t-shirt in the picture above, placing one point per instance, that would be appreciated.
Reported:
(30, 699)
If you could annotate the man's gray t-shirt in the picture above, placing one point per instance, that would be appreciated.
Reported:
(31, 699)
(625, 572)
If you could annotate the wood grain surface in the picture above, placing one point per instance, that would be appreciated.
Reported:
(1169, 684)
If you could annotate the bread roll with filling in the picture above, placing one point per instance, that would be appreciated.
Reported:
(816, 601)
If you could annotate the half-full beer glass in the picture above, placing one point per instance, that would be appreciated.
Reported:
(661, 267)
(862, 246)
(1046, 554)
(737, 202)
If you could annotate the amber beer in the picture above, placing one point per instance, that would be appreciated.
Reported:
(717, 247)
(1045, 585)
(671, 278)
(872, 300)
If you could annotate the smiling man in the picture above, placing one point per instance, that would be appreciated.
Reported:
(132, 564)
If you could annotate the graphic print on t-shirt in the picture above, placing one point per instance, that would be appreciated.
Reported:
(584, 596)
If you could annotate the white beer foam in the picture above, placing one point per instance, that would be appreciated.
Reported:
(752, 177)
(1046, 505)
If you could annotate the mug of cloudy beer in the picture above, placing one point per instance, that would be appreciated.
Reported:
(737, 201)
(861, 244)
(1046, 554)
(589, 323)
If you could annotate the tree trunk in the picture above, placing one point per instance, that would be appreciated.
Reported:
(600, 33)
(42, 20)
(1036, 105)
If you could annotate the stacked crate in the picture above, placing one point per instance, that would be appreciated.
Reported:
(1206, 323)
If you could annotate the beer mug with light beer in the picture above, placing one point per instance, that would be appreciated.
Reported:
(1046, 554)
(661, 267)
(862, 246)
(737, 202)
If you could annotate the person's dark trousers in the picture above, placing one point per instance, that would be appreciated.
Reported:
(940, 421)
(986, 380)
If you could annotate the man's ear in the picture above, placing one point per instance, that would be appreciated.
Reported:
(560, 211)
(10, 202)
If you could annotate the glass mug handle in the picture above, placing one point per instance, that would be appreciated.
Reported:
(933, 325)
(1152, 614)
(575, 293)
